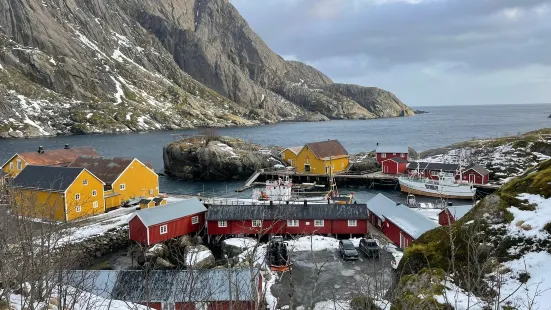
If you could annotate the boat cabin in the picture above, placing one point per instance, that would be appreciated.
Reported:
(432, 170)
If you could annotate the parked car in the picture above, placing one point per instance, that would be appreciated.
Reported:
(396, 257)
(347, 249)
(370, 247)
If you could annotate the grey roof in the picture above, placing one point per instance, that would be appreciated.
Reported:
(478, 168)
(50, 178)
(392, 149)
(433, 166)
(168, 285)
(171, 211)
(284, 212)
(410, 221)
(459, 211)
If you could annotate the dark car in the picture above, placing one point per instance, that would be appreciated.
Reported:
(347, 249)
(370, 247)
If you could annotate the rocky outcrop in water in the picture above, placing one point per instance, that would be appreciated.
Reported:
(214, 158)
(96, 66)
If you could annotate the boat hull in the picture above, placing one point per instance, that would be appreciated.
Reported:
(409, 190)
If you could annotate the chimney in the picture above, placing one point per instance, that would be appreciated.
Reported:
(450, 204)
(328, 201)
(397, 203)
(40, 149)
(271, 202)
(377, 143)
(305, 203)
(67, 146)
(287, 202)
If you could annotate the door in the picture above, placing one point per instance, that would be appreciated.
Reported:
(385, 169)
(168, 306)
(403, 241)
(472, 178)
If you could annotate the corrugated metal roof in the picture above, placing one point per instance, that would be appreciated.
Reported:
(170, 211)
(48, 178)
(478, 168)
(168, 285)
(57, 157)
(410, 221)
(433, 166)
(108, 169)
(459, 211)
(326, 149)
(285, 212)
(398, 149)
(397, 160)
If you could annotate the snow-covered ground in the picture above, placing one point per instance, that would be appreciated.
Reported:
(458, 298)
(195, 256)
(316, 243)
(241, 242)
(530, 223)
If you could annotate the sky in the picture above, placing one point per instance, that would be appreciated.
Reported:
(427, 52)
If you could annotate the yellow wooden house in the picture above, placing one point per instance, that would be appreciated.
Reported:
(289, 155)
(126, 179)
(322, 158)
(57, 193)
(56, 157)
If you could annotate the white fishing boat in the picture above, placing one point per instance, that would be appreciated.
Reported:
(446, 186)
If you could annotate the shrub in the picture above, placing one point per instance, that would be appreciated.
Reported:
(363, 303)
(524, 277)
(547, 228)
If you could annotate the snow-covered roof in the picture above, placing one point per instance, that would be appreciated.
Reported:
(459, 211)
(170, 211)
(399, 149)
(411, 222)
(294, 149)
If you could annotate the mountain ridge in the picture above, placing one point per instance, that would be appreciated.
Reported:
(75, 66)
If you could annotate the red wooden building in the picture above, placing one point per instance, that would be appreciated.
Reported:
(293, 219)
(205, 289)
(476, 174)
(154, 225)
(451, 214)
(399, 223)
(387, 152)
(432, 170)
(394, 166)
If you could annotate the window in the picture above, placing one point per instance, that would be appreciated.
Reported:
(19, 165)
(434, 173)
(402, 155)
(393, 153)
(151, 191)
(11, 166)
(77, 196)
(352, 223)
(342, 165)
(379, 222)
(195, 220)
(222, 224)
(94, 193)
(122, 187)
(95, 204)
(292, 223)
(257, 223)
(85, 182)
(383, 155)
(318, 223)
(78, 208)
(307, 168)
(164, 229)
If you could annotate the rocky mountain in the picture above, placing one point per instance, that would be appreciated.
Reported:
(76, 66)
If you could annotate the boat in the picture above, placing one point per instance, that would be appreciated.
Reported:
(445, 187)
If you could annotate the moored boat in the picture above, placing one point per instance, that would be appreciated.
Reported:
(445, 187)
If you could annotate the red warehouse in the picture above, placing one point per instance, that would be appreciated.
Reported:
(476, 174)
(431, 170)
(206, 289)
(400, 224)
(387, 152)
(154, 225)
(294, 219)
(394, 166)
(451, 214)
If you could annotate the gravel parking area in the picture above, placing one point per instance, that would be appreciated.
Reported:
(322, 280)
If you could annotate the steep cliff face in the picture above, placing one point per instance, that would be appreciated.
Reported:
(76, 66)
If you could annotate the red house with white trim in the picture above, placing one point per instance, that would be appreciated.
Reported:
(476, 174)
(399, 223)
(394, 166)
(389, 151)
(293, 219)
(154, 225)
(451, 214)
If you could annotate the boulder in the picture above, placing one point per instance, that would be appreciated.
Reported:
(163, 263)
(158, 250)
(199, 257)
(234, 246)
(185, 241)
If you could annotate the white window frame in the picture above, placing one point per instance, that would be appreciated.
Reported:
(222, 223)
(19, 164)
(379, 222)
(195, 220)
(293, 223)
(434, 173)
(95, 204)
(383, 155)
(85, 182)
(78, 209)
(122, 186)
(402, 155)
(319, 223)
(11, 165)
(77, 197)
(163, 229)
(257, 223)
(151, 191)
(94, 193)
(352, 223)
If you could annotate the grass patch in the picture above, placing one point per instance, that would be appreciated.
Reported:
(547, 228)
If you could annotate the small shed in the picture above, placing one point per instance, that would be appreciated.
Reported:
(154, 225)
(453, 213)
(394, 165)
(146, 203)
(476, 174)
(384, 152)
